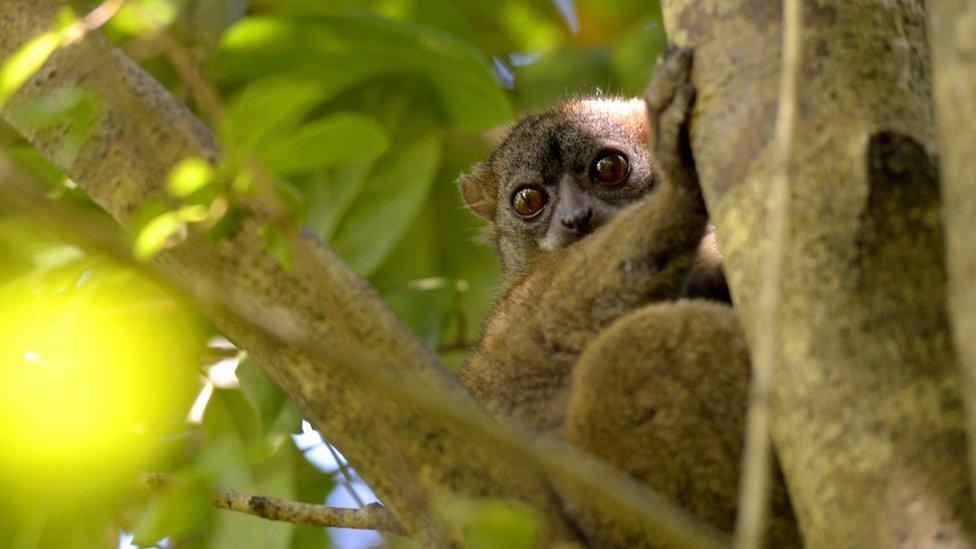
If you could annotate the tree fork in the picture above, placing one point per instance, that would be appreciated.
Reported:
(867, 418)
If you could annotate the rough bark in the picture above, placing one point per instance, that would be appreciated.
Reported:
(867, 418)
(952, 36)
(408, 454)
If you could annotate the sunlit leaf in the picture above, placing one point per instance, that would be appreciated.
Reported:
(343, 138)
(339, 48)
(158, 234)
(189, 176)
(94, 369)
(227, 224)
(74, 111)
(194, 213)
(140, 16)
(24, 62)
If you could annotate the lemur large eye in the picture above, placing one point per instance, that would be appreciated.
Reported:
(529, 201)
(609, 168)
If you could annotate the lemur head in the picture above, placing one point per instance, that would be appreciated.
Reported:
(560, 175)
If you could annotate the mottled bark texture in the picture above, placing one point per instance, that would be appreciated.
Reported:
(952, 36)
(867, 415)
(408, 457)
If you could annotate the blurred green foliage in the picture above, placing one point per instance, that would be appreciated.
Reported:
(359, 115)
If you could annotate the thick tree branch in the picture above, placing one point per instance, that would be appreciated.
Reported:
(368, 517)
(866, 413)
(326, 337)
(952, 34)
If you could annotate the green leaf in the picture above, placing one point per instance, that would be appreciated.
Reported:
(312, 486)
(278, 415)
(288, 422)
(392, 197)
(276, 243)
(159, 233)
(183, 507)
(29, 158)
(260, 388)
(273, 477)
(227, 224)
(268, 110)
(331, 194)
(148, 16)
(349, 48)
(189, 176)
(72, 112)
(342, 138)
(230, 412)
(492, 524)
(292, 197)
(23, 63)
(635, 53)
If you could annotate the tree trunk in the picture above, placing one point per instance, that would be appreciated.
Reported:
(867, 418)
(952, 35)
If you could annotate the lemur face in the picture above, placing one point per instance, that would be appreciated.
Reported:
(560, 175)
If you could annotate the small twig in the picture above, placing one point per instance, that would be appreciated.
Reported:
(368, 517)
(345, 473)
(757, 459)
(185, 64)
(92, 20)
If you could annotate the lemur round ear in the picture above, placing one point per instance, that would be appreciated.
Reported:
(478, 190)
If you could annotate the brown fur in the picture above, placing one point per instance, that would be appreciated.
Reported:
(589, 342)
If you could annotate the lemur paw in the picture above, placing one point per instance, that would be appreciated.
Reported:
(669, 98)
(672, 72)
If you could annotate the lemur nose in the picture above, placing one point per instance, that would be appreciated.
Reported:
(578, 221)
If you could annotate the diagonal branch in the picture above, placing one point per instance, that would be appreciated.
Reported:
(321, 332)
(610, 491)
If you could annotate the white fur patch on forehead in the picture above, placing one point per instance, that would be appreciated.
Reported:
(626, 110)
(620, 106)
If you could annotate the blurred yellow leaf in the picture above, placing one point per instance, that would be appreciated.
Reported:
(189, 176)
(24, 62)
(158, 234)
